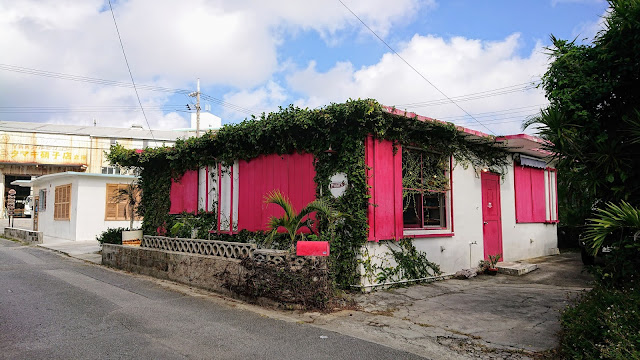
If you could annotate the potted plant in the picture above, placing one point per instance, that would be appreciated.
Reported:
(493, 261)
(130, 194)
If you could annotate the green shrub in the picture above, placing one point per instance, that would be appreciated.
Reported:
(603, 323)
(111, 236)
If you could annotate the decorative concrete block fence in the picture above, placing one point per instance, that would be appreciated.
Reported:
(195, 262)
(28, 236)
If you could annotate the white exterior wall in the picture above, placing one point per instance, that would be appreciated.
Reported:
(88, 203)
(453, 253)
(229, 199)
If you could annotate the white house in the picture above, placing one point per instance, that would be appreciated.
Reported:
(74, 206)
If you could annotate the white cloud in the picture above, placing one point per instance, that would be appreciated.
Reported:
(458, 66)
(222, 42)
(265, 98)
(588, 30)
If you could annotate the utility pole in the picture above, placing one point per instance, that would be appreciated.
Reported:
(196, 94)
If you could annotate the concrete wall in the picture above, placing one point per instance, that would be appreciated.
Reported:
(88, 202)
(31, 237)
(191, 269)
(453, 253)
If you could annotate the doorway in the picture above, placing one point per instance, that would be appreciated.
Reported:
(491, 214)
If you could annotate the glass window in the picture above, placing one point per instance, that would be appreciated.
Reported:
(425, 185)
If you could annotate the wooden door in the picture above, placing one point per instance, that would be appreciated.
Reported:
(491, 217)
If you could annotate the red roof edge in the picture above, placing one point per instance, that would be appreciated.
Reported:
(412, 115)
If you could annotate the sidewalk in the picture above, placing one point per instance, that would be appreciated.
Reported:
(84, 250)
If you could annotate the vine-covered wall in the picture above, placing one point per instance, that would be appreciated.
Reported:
(343, 127)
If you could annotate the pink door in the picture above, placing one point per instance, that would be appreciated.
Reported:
(492, 223)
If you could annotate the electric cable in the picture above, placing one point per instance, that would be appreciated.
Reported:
(414, 69)
(130, 73)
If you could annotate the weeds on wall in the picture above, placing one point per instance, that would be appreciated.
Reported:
(343, 127)
(307, 286)
(408, 264)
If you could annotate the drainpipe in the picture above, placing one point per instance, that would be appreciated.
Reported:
(471, 243)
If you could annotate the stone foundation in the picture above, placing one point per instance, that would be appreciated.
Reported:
(201, 271)
(28, 236)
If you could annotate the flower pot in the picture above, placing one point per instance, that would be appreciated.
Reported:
(491, 271)
(132, 237)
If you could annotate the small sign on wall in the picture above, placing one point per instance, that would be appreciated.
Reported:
(338, 184)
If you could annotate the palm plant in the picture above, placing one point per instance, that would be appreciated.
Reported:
(131, 195)
(294, 221)
(622, 220)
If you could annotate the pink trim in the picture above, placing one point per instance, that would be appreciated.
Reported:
(556, 190)
(397, 192)
(368, 156)
(231, 206)
(451, 190)
(219, 194)
(206, 189)
(549, 200)
(420, 236)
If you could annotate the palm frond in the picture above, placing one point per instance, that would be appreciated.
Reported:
(276, 197)
(609, 220)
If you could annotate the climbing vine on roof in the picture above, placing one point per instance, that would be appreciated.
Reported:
(343, 127)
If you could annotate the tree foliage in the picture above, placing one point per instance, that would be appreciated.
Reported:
(593, 119)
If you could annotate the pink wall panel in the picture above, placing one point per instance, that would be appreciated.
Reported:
(385, 179)
(184, 193)
(291, 174)
(537, 195)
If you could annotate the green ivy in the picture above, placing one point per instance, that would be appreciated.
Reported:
(343, 127)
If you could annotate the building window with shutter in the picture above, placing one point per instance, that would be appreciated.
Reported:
(425, 188)
(116, 210)
(62, 203)
(535, 191)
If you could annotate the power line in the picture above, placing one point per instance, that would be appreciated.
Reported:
(130, 73)
(472, 96)
(104, 82)
(413, 68)
(494, 113)
(42, 133)
(55, 110)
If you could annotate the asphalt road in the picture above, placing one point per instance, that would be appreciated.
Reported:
(55, 307)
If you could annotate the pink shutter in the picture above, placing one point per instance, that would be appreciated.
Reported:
(384, 177)
(529, 191)
(537, 195)
(184, 193)
(292, 174)
(522, 180)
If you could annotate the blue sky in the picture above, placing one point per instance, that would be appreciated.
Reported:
(259, 55)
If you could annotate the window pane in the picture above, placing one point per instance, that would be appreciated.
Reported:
(434, 210)
(412, 213)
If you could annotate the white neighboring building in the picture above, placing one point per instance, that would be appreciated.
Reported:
(74, 206)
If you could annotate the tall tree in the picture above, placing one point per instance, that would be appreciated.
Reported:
(593, 119)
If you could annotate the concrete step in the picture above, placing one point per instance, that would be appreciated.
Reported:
(515, 268)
